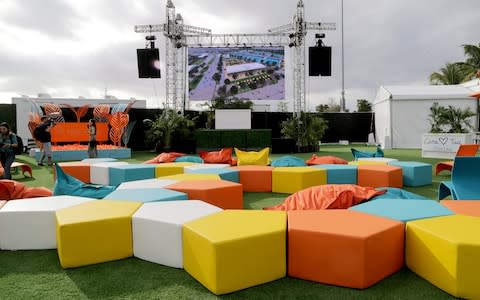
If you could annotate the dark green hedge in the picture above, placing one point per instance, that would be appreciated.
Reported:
(253, 139)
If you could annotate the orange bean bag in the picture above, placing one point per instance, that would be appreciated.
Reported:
(164, 157)
(11, 189)
(325, 160)
(224, 156)
(328, 196)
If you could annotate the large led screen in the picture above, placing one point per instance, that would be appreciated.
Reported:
(245, 73)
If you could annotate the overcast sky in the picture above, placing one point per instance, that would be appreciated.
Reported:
(71, 48)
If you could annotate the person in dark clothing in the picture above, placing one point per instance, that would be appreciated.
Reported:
(8, 141)
(92, 139)
(43, 135)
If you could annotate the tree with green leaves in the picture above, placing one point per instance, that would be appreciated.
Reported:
(306, 130)
(450, 119)
(458, 119)
(233, 90)
(169, 126)
(436, 118)
(216, 77)
(472, 62)
(448, 75)
(363, 105)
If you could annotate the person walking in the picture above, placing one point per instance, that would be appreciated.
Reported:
(8, 141)
(43, 135)
(92, 140)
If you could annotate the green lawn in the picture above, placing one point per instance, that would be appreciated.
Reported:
(38, 274)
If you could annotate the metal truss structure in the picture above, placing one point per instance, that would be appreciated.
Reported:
(180, 36)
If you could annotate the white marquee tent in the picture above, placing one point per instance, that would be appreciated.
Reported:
(402, 112)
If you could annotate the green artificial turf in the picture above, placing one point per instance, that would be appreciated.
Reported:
(38, 274)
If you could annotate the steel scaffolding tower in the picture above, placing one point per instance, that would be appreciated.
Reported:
(180, 36)
(175, 61)
(297, 32)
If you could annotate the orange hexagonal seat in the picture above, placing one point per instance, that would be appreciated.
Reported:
(463, 207)
(380, 176)
(77, 169)
(343, 247)
(221, 193)
(255, 178)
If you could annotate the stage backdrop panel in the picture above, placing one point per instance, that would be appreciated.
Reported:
(233, 119)
(69, 132)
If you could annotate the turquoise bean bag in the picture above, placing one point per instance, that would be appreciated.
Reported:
(288, 161)
(68, 185)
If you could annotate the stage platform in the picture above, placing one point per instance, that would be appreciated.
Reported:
(74, 155)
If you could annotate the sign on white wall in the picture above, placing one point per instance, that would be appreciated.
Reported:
(233, 119)
(443, 145)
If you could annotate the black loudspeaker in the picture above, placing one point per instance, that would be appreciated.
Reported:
(320, 61)
(148, 63)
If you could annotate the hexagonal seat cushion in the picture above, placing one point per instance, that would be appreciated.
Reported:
(172, 168)
(98, 160)
(192, 176)
(463, 207)
(414, 173)
(446, 252)
(30, 223)
(153, 183)
(221, 193)
(380, 176)
(343, 247)
(77, 169)
(396, 193)
(403, 210)
(197, 167)
(339, 173)
(366, 162)
(235, 249)
(377, 159)
(157, 229)
(95, 232)
(130, 172)
(224, 173)
(99, 172)
(289, 180)
(255, 178)
(146, 195)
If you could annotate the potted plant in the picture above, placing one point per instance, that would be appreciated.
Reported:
(449, 128)
(307, 130)
(169, 128)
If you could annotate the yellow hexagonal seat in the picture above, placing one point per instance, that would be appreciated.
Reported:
(293, 179)
(446, 252)
(236, 249)
(166, 169)
(192, 176)
(95, 232)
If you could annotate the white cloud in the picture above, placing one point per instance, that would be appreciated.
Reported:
(69, 48)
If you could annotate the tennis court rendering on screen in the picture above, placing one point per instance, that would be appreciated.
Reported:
(245, 73)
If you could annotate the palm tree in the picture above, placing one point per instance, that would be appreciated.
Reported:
(437, 119)
(458, 119)
(448, 75)
(472, 63)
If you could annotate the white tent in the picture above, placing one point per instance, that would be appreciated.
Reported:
(402, 112)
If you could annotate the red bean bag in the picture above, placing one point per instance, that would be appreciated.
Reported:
(328, 196)
(11, 189)
(324, 160)
(164, 157)
(224, 156)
